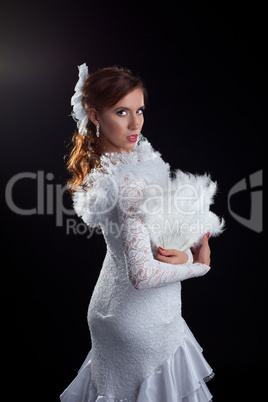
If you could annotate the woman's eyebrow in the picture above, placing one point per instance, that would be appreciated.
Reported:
(126, 108)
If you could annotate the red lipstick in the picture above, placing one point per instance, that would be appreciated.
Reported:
(133, 138)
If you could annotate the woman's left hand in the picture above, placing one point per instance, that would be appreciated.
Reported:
(172, 256)
(201, 253)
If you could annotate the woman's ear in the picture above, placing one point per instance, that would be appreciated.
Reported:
(93, 115)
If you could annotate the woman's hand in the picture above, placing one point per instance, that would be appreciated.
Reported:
(202, 253)
(171, 256)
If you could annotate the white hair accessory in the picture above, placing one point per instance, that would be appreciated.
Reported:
(79, 113)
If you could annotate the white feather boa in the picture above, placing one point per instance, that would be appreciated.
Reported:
(175, 210)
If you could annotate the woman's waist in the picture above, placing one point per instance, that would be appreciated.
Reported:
(130, 324)
(118, 302)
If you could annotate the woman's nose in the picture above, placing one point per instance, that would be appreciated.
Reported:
(134, 122)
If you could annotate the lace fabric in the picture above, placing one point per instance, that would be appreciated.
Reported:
(145, 271)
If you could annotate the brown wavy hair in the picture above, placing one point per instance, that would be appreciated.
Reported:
(102, 89)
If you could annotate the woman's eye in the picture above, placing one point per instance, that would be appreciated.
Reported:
(121, 113)
(124, 112)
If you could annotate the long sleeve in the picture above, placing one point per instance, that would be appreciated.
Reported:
(145, 271)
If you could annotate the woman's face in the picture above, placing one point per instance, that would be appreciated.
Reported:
(121, 124)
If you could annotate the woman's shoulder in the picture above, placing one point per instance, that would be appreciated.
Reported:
(103, 186)
(143, 163)
(96, 197)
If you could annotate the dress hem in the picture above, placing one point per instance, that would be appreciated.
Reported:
(181, 377)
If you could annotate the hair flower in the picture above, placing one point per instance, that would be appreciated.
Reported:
(79, 113)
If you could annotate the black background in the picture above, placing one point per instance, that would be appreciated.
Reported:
(203, 65)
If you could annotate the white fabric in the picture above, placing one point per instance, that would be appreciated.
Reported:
(179, 378)
(142, 350)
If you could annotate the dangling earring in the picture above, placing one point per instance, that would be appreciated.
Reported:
(98, 130)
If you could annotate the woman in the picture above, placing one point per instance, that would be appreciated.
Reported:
(142, 349)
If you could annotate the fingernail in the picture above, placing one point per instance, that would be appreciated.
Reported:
(161, 248)
(208, 234)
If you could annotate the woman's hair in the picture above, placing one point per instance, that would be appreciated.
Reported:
(102, 89)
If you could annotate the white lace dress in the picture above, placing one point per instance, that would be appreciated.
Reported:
(142, 349)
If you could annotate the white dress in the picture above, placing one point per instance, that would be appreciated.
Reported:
(142, 349)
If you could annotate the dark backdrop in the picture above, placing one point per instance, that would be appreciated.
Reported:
(203, 65)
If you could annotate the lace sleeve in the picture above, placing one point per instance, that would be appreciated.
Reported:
(144, 271)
